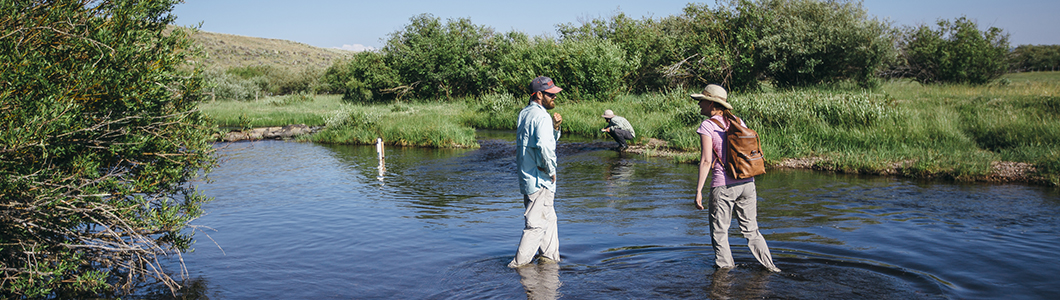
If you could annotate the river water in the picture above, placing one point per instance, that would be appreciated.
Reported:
(310, 221)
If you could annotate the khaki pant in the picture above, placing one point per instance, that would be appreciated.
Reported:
(539, 233)
(742, 200)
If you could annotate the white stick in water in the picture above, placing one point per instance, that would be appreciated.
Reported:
(379, 147)
(382, 158)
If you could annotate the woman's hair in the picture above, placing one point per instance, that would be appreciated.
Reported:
(727, 113)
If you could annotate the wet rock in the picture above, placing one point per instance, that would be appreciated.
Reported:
(288, 131)
(234, 136)
(285, 132)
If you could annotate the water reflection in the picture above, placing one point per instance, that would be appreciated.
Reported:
(540, 280)
(619, 171)
(726, 285)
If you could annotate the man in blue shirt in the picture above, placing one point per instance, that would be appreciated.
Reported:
(535, 154)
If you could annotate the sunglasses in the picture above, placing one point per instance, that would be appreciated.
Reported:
(550, 95)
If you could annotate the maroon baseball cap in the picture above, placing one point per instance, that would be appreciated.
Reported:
(545, 84)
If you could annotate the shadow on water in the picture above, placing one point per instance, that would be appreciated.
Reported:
(443, 224)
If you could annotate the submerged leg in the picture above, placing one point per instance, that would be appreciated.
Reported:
(539, 232)
(747, 215)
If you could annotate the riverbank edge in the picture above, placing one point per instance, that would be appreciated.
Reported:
(266, 133)
(1000, 171)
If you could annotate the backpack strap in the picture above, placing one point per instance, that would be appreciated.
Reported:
(717, 156)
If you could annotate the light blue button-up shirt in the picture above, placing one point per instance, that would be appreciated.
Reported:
(535, 153)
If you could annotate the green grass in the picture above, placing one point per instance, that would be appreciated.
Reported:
(273, 111)
(927, 131)
(433, 125)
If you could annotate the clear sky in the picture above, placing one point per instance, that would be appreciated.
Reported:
(358, 24)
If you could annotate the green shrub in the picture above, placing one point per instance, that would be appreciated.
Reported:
(586, 69)
(722, 43)
(648, 45)
(436, 60)
(100, 137)
(737, 43)
(365, 78)
(590, 69)
(956, 52)
(226, 86)
(812, 42)
(526, 59)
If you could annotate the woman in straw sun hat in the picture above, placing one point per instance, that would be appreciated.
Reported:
(728, 195)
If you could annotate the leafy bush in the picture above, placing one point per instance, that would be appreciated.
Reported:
(99, 137)
(811, 42)
(722, 44)
(589, 69)
(365, 78)
(441, 60)
(224, 85)
(649, 47)
(526, 59)
(261, 76)
(956, 52)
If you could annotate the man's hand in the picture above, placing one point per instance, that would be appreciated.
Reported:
(556, 120)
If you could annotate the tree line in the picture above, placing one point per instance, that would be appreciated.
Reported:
(740, 44)
(1029, 58)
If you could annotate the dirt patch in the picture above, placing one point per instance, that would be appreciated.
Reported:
(655, 148)
(1006, 171)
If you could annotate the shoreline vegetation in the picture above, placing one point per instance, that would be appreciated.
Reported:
(1000, 132)
(436, 82)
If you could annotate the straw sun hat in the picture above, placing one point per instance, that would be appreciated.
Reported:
(716, 93)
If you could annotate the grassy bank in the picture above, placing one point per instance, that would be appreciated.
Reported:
(273, 111)
(434, 125)
(903, 128)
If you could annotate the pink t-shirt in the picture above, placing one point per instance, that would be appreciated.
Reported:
(717, 135)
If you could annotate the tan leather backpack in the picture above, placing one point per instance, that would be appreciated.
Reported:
(745, 158)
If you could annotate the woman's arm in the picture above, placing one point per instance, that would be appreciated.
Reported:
(706, 159)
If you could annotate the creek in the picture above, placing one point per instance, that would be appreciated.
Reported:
(310, 221)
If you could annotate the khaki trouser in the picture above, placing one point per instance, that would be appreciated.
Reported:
(741, 199)
(539, 233)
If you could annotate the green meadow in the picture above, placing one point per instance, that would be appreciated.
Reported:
(903, 127)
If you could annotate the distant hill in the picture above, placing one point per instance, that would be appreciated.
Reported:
(224, 51)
